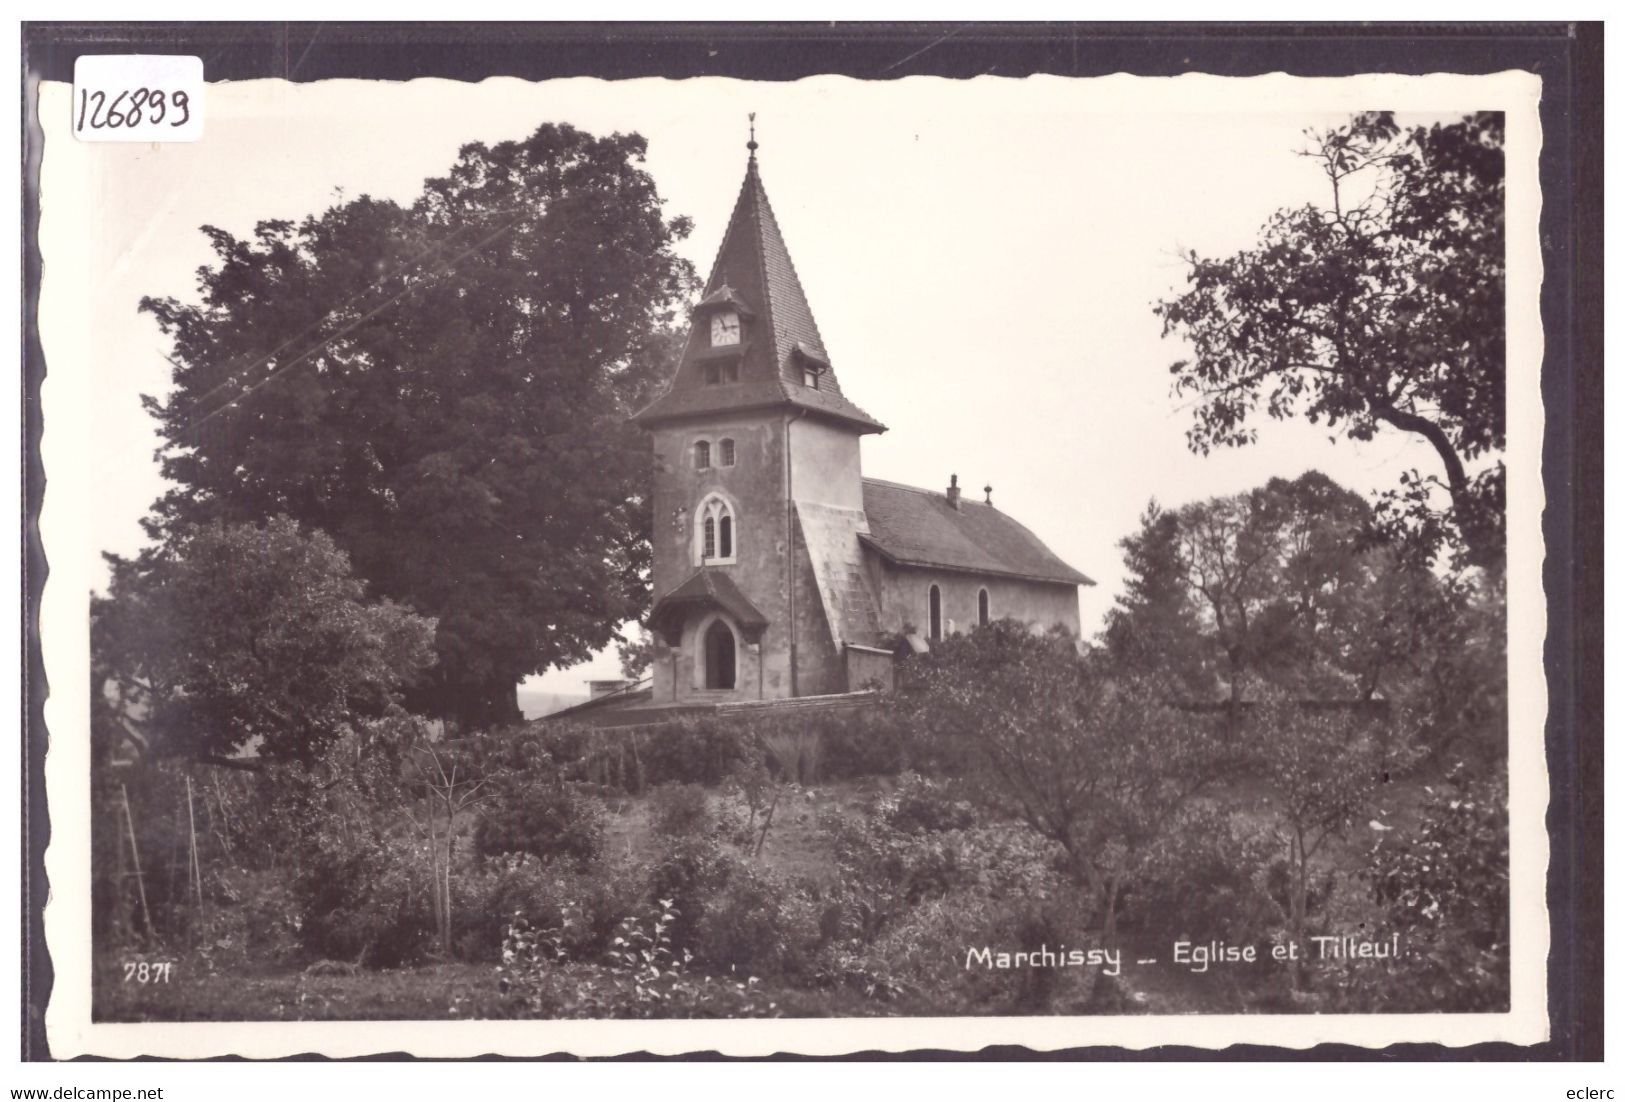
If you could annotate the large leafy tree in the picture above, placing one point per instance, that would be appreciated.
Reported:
(236, 637)
(1279, 586)
(1272, 572)
(1382, 306)
(443, 387)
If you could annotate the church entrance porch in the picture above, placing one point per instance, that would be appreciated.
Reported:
(713, 641)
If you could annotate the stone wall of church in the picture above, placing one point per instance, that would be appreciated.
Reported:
(753, 487)
(905, 601)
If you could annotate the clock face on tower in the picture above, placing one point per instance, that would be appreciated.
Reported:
(724, 328)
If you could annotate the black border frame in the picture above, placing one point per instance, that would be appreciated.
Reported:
(1567, 56)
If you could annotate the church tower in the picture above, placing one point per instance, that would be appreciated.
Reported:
(758, 495)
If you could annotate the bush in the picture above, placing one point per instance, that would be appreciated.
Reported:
(238, 820)
(579, 908)
(253, 920)
(1444, 890)
(845, 743)
(486, 897)
(680, 810)
(693, 871)
(1203, 879)
(885, 872)
(644, 977)
(921, 806)
(365, 901)
(550, 821)
(757, 924)
(863, 742)
(1454, 873)
(921, 958)
(702, 751)
(684, 751)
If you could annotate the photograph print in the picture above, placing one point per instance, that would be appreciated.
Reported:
(575, 565)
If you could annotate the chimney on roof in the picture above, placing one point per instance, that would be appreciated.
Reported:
(988, 490)
(953, 490)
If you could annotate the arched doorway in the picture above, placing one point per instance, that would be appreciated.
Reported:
(719, 656)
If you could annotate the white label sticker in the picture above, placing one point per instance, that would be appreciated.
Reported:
(137, 98)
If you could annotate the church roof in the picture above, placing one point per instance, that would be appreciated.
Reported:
(916, 527)
(754, 272)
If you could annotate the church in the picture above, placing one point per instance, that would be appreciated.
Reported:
(780, 571)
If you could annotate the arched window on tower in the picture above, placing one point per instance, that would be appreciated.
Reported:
(702, 455)
(982, 614)
(936, 614)
(718, 534)
(725, 452)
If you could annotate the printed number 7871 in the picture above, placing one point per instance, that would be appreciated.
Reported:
(148, 971)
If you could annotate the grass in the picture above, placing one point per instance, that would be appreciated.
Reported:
(426, 992)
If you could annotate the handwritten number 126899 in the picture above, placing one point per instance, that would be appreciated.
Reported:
(131, 108)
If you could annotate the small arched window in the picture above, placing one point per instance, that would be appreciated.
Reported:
(725, 452)
(936, 614)
(982, 616)
(702, 455)
(717, 532)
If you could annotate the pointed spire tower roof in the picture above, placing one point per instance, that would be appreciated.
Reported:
(754, 277)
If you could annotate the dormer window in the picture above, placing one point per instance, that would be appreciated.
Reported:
(722, 373)
(724, 328)
(812, 363)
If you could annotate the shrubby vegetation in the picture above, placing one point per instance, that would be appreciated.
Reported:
(1293, 724)
(546, 819)
(1017, 791)
(237, 637)
(1445, 885)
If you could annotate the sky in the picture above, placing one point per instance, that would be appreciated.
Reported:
(981, 257)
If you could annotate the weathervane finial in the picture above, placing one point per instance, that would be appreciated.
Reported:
(751, 145)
